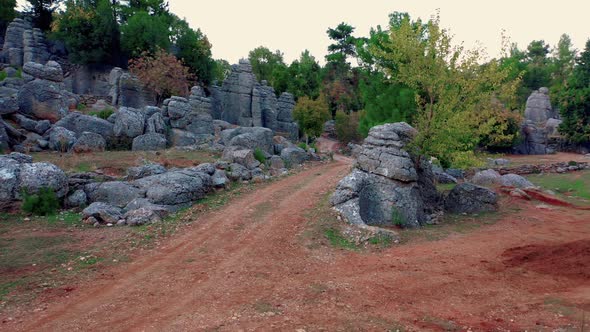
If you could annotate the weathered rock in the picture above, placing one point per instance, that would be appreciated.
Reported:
(89, 142)
(149, 142)
(128, 91)
(276, 162)
(487, 178)
(61, 139)
(8, 100)
(155, 124)
(249, 138)
(80, 123)
(219, 179)
(35, 176)
(23, 43)
(9, 172)
(243, 157)
(469, 198)
(237, 172)
(130, 123)
(103, 213)
(145, 215)
(443, 177)
(21, 158)
(386, 188)
(51, 71)
(76, 199)
(294, 156)
(206, 168)
(185, 138)
(175, 187)
(538, 106)
(541, 121)
(517, 181)
(44, 100)
(115, 193)
(134, 173)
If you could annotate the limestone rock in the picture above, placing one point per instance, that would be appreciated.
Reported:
(80, 123)
(149, 142)
(51, 71)
(294, 156)
(8, 100)
(76, 199)
(249, 138)
(103, 213)
(115, 193)
(517, 181)
(134, 173)
(244, 157)
(487, 178)
(130, 123)
(469, 198)
(61, 139)
(89, 142)
(44, 100)
(145, 215)
(35, 176)
(175, 187)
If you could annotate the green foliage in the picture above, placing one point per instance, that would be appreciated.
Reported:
(221, 70)
(104, 114)
(194, 49)
(302, 145)
(575, 101)
(337, 240)
(347, 126)
(385, 102)
(311, 115)
(397, 218)
(259, 155)
(42, 12)
(344, 43)
(89, 31)
(3, 76)
(459, 101)
(304, 76)
(145, 33)
(269, 66)
(7, 13)
(43, 203)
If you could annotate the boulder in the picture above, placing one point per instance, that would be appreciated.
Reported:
(175, 187)
(9, 172)
(237, 172)
(294, 156)
(487, 177)
(44, 100)
(129, 123)
(103, 213)
(51, 71)
(276, 163)
(249, 138)
(155, 124)
(206, 168)
(145, 215)
(115, 193)
(80, 123)
(149, 142)
(243, 157)
(8, 100)
(21, 158)
(517, 181)
(444, 178)
(61, 139)
(219, 179)
(89, 142)
(469, 198)
(76, 199)
(134, 173)
(35, 176)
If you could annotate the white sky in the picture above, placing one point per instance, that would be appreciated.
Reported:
(235, 27)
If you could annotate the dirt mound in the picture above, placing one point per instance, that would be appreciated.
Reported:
(570, 260)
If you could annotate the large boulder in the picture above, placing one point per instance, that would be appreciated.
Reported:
(487, 177)
(61, 139)
(145, 215)
(175, 187)
(294, 156)
(35, 176)
(155, 124)
(51, 71)
(80, 123)
(134, 173)
(469, 198)
(129, 123)
(515, 180)
(243, 157)
(44, 100)
(9, 172)
(388, 185)
(89, 142)
(249, 138)
(115, 193)
(149, 142)
(8, 100)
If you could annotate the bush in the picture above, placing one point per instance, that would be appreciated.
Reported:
(104, 114)
(3, 75)
(43, 203)
(259, 155)
(347, 127)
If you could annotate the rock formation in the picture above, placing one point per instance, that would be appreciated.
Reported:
(388, 186)
(541, 122)
(23, 44)
(243, 101)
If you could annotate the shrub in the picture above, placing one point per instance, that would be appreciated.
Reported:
(104, 114)
(81, 107)
(3, 75)
(259, 155)
(396, 217)
(303, 146)
(347, 127)
(43, 203)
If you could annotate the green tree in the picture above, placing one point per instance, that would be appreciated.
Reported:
(347, 126)
(457, 98)
(304, 76)
(311, 115)
(344, 43)
(90, 31)
(269, 66)
(42, 12)
(152, 7)
(538, 73)
(145, 33)
(562, 64)
(7, 13)
(194, 49)
(221, 70)
(575, 101)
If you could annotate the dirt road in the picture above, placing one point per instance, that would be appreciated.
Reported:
(247, 267)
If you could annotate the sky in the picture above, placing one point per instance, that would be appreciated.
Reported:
(234, 27)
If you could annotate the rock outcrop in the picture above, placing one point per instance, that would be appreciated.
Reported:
(388, 185)
(23, 44)
(540, 124)
(469, 198)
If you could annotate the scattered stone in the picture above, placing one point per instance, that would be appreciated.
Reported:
(61, 139)
(219, 179)
(130, 122)
(294, 156)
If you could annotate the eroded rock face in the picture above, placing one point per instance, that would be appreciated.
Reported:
(175, 187)
(89, 142)
(23, 44)
(35, 176)
(149, 142)
(540, 124)
(388, 186)
(80, 123)
(44, 99)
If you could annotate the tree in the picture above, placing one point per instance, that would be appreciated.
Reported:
(152, 7)
(575, 101)
(538, 73)
(304, 76)
(562, 64)
(90, 31)
(346, 125)
(269, 66)
(457, 98)
(145, 33)
(194, 49)
(7, 13)
(344, 45)
(221, 70)
(163, 73)
(311, 115)
(42, 12)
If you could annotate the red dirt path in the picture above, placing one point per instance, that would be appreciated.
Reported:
(249, 267)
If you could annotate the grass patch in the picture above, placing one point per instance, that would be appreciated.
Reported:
(576, 185)
(338, 240)
(104, 114)
(444, 187)
(3, 75)
(29, 251)
(259, 155)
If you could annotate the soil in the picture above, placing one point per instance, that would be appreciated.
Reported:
(560, 157)
(249, 266)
